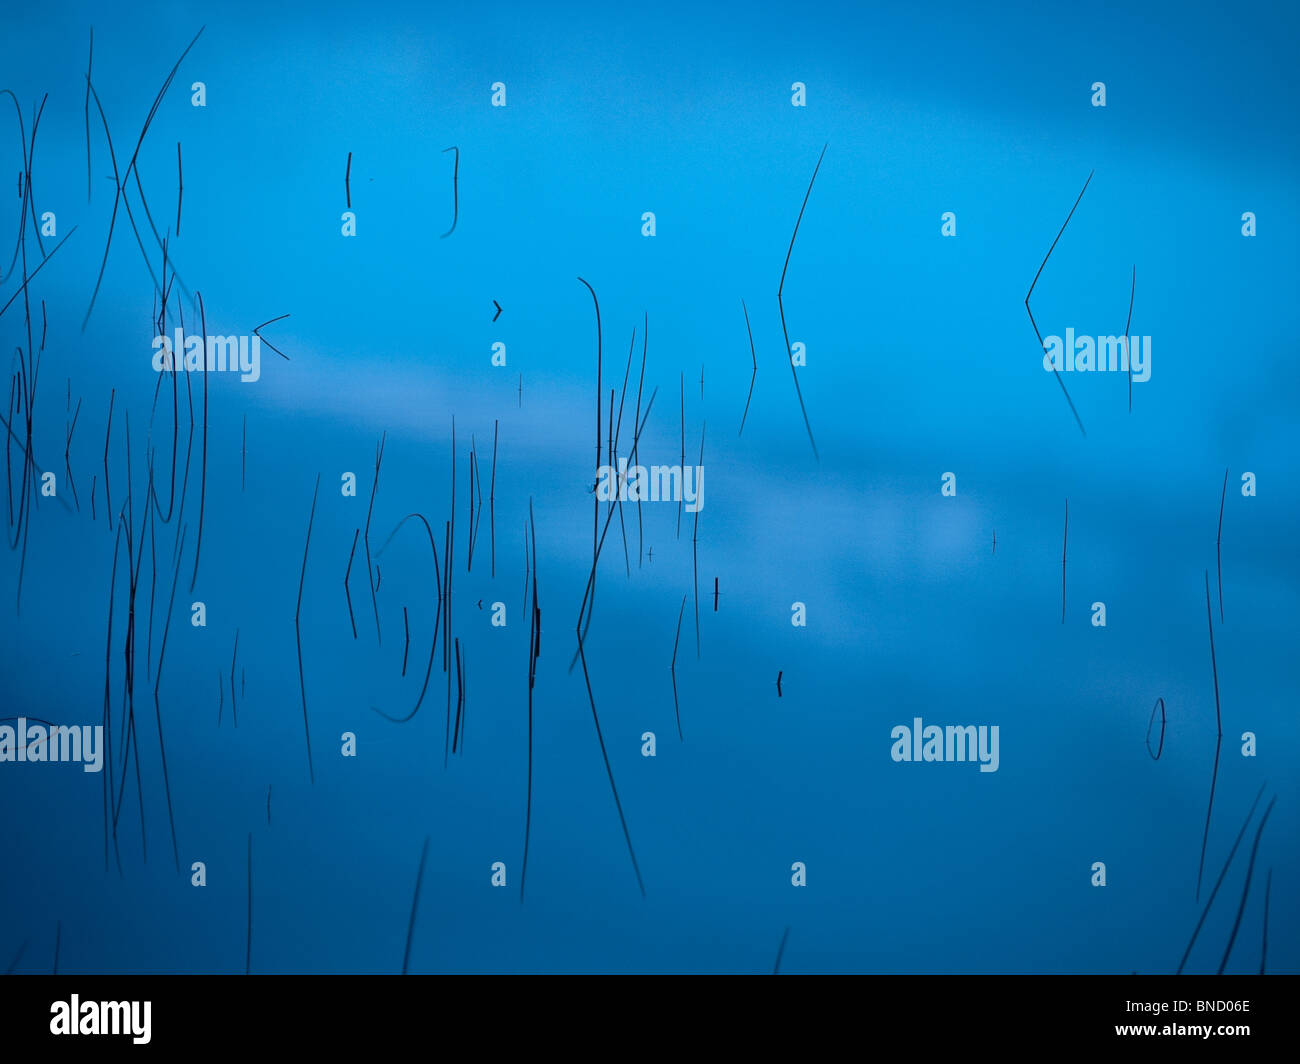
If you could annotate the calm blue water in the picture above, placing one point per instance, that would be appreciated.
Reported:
(920, 361)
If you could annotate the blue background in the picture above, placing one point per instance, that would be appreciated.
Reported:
(920, 360)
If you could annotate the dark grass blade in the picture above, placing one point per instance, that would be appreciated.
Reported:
(1042, 346)
(776, 968)
(1219, 882)
(754, 375)
(1218, 720)
(781, 304)
(415, 904)
(297, 628)
(1245, 890)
